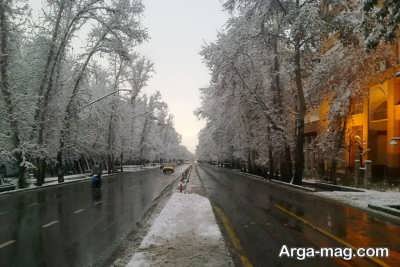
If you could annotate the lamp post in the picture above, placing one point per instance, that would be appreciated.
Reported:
(61, 175)
(103, 97)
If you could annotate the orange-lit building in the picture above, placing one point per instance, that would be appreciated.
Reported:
(373, 124)
(372, 127)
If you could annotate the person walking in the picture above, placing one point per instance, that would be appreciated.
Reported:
(96, 182)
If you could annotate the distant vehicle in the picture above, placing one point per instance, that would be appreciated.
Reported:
(168, 168)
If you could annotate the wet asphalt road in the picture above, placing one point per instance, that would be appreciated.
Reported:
(72, 224)
(262, 228)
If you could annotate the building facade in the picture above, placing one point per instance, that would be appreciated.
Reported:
(372, 129)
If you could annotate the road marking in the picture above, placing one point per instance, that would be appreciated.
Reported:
(232, 236)
(50, 224)
(98, 203)
(6, 244)
(328, 234)
(79, 211)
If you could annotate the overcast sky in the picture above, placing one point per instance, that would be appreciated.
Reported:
(178, 29)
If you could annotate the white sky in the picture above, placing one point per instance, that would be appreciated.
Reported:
(178, 29)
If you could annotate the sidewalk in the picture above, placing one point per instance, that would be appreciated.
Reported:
(386, 204)
(185, 233)
(83, 176)
(362, 199)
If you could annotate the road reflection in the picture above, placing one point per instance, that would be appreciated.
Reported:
(74, 224)
(322, 223)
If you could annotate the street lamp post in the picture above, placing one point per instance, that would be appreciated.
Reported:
(103, 97)
(61, 177)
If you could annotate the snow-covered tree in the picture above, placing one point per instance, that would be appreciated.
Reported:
(381, 21)
(273, 63)
(11, 20)
(68, 105)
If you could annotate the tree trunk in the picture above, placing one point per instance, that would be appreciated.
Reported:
(321, 168)
(43, 100)
(41, 171)
(54, 58)
(69, 109)
(121, 161)
(332, 171)
(110, 163)
(41, 109)
(111, 126)
(143, 138)
(252, 164)
(337, 146)
(271, 163)
(110, 142)
(285, 164)
(60, 167)
(289, 161)
(301, 110)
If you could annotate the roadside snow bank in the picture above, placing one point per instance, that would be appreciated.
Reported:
(184, 234)
(362, 199)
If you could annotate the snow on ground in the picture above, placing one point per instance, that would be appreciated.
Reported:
(134, 168)
(82, 176)
(362, 199)
(184, 234)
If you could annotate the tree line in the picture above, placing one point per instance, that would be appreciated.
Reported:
(72, 89)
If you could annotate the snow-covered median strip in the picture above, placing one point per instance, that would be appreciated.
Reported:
(184, 234)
